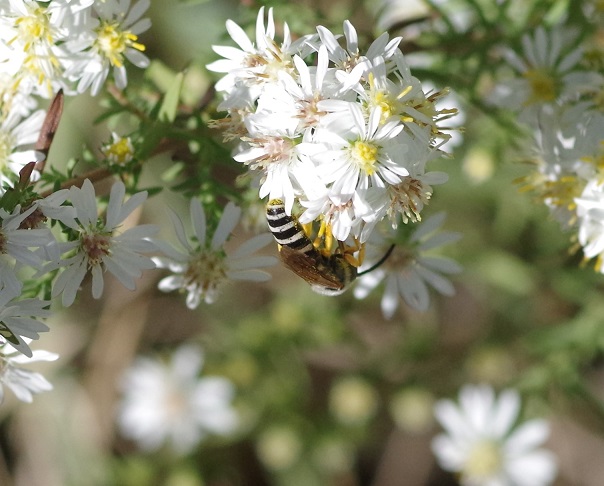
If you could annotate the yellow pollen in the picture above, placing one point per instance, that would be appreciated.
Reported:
(382, 100)
(365, 155)
(543, 86)
(484, 460)
(112, 42)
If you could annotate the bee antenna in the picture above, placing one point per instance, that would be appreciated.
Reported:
(380, 261)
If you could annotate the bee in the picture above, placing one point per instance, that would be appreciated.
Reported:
(327, 275)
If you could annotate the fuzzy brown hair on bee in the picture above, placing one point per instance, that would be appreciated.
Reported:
(327, 275)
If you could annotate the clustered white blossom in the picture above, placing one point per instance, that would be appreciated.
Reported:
(485, 445)
(559, 99)
(349, 138)
(69, 45)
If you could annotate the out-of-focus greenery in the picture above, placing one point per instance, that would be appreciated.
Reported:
(329, 392)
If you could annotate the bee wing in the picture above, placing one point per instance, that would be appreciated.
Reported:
(310, 269)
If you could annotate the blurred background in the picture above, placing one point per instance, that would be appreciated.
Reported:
(329, 392)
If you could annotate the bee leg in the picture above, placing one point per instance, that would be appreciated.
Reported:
(348, 252)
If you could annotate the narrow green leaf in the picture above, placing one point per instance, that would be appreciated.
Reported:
(169, 107)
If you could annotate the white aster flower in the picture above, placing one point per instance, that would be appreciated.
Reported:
(485, 446)
(24, 383)
(367, 154)
(19, 320)
(254, 64)
(410, 268)
(99, 246)
(204, 265)
(548, 66)
(172, 404)
(348, 58)
(111, 39)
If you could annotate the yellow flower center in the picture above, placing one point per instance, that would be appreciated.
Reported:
(365, 155)
(33, 28)
(543, 86)
(112, 42)
(484, 460)
(120, 151)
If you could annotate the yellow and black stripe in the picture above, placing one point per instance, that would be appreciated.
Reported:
(286, 229)
(328, 275)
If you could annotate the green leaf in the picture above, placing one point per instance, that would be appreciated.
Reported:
(169, 107)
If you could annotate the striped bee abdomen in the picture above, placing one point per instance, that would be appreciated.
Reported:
(327, 275)
(286, 229)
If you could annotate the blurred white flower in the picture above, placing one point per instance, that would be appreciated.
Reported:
(485, 445)
(548, 68)
(409, 269)
(170, 403)
(24, 383)
(204, 266)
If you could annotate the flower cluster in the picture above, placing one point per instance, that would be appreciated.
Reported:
(61, 45)
(69, 45)
(348, 139)
(485, 446)
(560, 100)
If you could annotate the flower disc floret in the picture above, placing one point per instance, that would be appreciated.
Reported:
(112, 42)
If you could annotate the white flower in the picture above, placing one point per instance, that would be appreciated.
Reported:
(172, 404)
(24, 383)
(366, 154)
(19, 320)
(254, 65)
(110, 40)
(409, 269)
(484, 445)
(548, 66)
(99, 247)
(204, 266)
